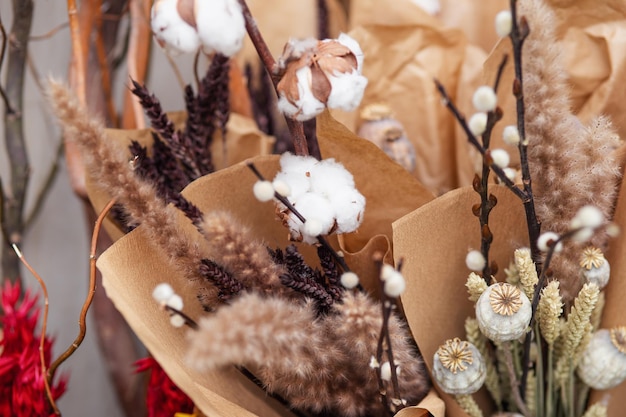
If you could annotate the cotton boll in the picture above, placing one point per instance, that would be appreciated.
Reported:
(327, 176)
(478, 123)
(484, 99)
(170, 29)
(221, 26)
(354, 47)
(306, 106)
(314, 206)
(297, 163)
(313, 227)
(346, 90)
(349, 205)
(298, 183)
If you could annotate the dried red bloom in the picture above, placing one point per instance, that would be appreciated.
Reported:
(164, 398)
(22, 388)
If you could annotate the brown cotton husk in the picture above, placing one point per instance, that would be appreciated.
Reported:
(433, 241)
(404, 48)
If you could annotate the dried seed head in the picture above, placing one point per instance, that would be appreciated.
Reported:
(455, 355)
(591, 257)
(505, 299)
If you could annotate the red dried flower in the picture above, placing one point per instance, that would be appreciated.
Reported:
(22, 386)
(164, 398)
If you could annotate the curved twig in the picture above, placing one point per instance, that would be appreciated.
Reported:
(44, 324)
(82, 322)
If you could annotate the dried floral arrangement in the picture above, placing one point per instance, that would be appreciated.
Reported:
(318, 326)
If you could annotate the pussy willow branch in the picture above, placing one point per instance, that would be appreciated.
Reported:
(474, 142)
(44, 325)
(296, 128)
(488, 201)
(14, 198)
(82, 321)
(387, 304)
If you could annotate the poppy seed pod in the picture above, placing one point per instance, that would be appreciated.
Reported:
(503, 312)
(458, 367)
(603, 364)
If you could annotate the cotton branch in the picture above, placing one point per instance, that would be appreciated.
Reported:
(295, 128)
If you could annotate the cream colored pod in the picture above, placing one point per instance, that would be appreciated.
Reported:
(458, 367)
(603, 364)
(594, 267)
(503, 312)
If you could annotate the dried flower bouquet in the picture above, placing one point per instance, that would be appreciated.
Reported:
(316, 345)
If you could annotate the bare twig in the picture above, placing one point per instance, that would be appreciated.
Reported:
(3, 48)
(50, 33)
(44, 324)
(82, 322)
(14, 199)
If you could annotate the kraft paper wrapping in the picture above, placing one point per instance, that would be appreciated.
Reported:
(404, 49)
(132, 266)
(434, 240)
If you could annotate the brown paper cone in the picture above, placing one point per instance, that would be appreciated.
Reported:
(434, 240)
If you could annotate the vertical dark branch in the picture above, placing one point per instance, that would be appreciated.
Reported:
(13, 218)
(519, 33)
(323, 31)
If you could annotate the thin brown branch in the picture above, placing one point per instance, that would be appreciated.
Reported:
(44, 324)
(78, 55)
(46, 187)
(50, 33)
(82, 321)
(295, 128)
(104, 69)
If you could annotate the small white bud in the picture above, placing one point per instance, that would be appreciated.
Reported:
(175, 302)
(263, 191)
(162, 292)
(395, 285)
(510, 173)
(349, 280)
(546, 240)
(385, 371)
(177, 320)
(587, 216)
(504, 23)
(282, 188)
(386, 271)
(500, 157)
(374, 362)
(484, 99)
(612, 230)
(510, 135)
(478, 123)
(313, 227)
(475, 260)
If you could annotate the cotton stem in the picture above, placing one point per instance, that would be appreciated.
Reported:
(295, 128)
